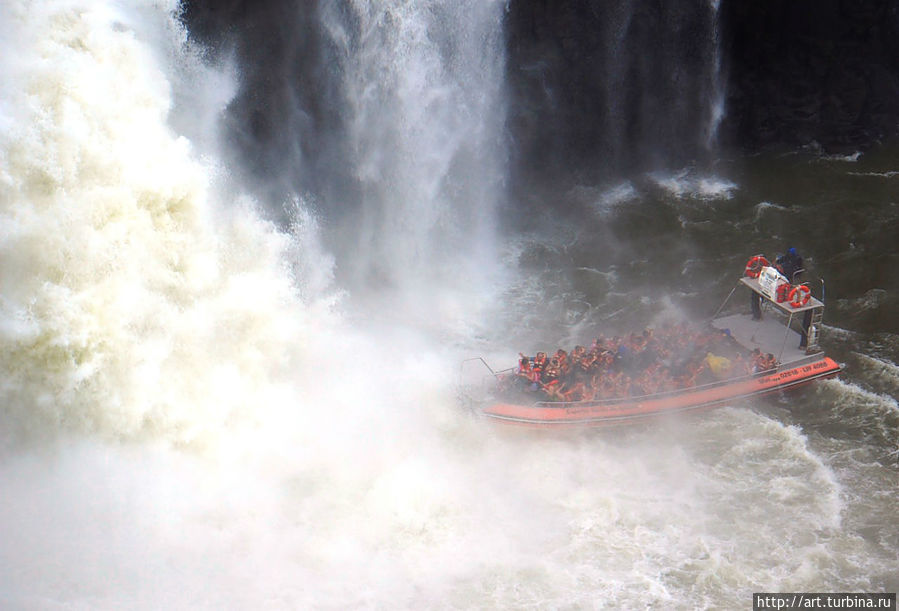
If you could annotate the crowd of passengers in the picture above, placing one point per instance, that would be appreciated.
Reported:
(674, 357)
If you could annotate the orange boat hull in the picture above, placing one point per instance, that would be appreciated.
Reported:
(700, 397)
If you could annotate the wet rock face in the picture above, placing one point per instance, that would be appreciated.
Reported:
(287, 105)
(626, 82)
(595, 85)
(615, 83)
(824, 71)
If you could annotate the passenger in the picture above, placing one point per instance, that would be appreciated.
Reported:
(673, 357)
(614, 344)
(551, 382)
(636, 342)
(763, 362)
(525, 374)
(577, 392)
(790, 265)
(756, 360)
(539, 365)
(740, 366)
(623, 358)
(719, 365)
(608, 359)
(755, 305)
(564, 364)
(588, 363)
(524, 365)
(553, 370)
(700, 369)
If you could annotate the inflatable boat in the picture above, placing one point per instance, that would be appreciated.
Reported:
(782, 322)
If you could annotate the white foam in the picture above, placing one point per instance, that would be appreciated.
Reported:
(619, 194)
(763, 208)
(864, 400)
(888, 174)
(883, 368)
(225, 439)
(143, 305)
(685, 184)
(716, 188)
(849, 158)
(839, 332)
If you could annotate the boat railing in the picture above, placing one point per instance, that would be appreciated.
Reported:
(473, 359)
(724, 303)
(469, 387)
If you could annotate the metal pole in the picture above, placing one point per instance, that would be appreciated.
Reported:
(786, 335)
(721, 307)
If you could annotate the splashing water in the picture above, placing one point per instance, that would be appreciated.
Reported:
(135, 299)
(422, 84)
(319, 461)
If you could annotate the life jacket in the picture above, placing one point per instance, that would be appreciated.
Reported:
(564, 361)
(587, 362)
(782, 292)
(550, 376)
(524, 367)
(764, 362)
(539, 364)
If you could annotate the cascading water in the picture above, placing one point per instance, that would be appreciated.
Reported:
(145, 306)
(422, 86)
(133, 290)
(716, 85)
(192, 417)
(605, 88)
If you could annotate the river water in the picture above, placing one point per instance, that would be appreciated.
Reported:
(201, 408)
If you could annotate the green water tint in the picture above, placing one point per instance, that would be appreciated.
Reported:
(629, 255)
(687, 235)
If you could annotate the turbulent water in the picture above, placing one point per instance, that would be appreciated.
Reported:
(202, 409)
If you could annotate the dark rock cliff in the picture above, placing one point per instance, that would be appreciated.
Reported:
(626, 83)
(596, 85)
(811, 70)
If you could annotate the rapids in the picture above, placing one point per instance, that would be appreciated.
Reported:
(210, 399)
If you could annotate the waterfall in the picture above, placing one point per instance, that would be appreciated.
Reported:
(616, 85)
(423, 111)
(137, 295)
(664, 92)
(717, 85)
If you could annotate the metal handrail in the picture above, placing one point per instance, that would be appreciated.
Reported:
(476, 358)
(721, 307)
(796, 273)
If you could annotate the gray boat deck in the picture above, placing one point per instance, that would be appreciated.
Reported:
(768, 335)
(777, 332)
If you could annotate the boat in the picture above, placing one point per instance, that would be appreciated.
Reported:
(788, 327)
